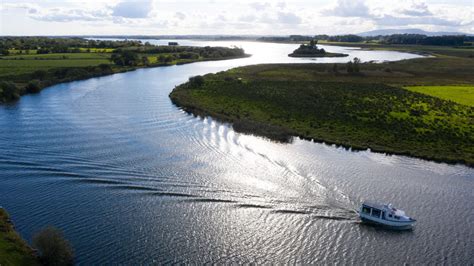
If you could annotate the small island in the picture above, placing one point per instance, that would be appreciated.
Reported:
(312, 50)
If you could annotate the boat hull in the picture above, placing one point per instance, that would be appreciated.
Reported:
(394, 226)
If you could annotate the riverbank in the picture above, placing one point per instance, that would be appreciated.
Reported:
(30, 71)
(13, 249)
(366, 110)
(81, 73)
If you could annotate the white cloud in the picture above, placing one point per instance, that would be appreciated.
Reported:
(417, 9)
(288, 18)
(53, 17)
(180, 15)
(388, 20)
(348, 8)
(133, 9)
(67, 15)
(260, 6)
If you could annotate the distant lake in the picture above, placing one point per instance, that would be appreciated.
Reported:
(133, 179)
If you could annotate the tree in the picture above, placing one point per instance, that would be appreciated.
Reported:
(356, 64)
(350, 67)
(145, 61)
(125, 58)
(8, 91)
(53, 248)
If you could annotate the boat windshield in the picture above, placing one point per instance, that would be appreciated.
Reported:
(365, 209)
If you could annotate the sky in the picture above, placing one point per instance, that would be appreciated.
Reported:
(242, 17)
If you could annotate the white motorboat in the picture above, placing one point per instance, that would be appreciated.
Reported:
(385, 215)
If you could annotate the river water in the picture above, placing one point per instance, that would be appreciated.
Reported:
(133, 179)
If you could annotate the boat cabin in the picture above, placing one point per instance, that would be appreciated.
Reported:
(384, 212)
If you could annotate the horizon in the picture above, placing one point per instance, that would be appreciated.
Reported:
(216, 17)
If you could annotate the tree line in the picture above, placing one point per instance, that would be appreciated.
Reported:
(419, 39)
(45, 45)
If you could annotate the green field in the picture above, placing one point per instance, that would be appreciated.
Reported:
(460, 94)
(24, 64)
(13, 249)
(29, 71)
(370, 109)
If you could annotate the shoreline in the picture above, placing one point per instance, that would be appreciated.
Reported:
(116, 71)
(18, 251)
(327, 54)
(219, 103)
(288, 138)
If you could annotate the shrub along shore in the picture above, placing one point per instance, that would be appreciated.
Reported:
(358, 106)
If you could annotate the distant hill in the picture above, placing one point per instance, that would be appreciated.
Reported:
(408, 31)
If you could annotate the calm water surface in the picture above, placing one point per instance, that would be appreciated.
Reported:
(132, 179)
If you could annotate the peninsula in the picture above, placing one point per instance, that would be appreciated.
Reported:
(397, 108)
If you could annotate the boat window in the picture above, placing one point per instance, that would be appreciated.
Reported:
(383, 215)
(397, 217)
(390, 215)
(365, 209)
(376, 212)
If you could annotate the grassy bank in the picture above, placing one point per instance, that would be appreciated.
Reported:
(13, 249)
(362, 110)
(31, 76)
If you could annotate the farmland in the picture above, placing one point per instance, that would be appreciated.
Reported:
(54, 60)
(460, 94)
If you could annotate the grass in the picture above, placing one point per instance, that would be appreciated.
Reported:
(370, 109)
(24, 64)
(421, 49)
(29, 73)
(13, 249)
(460, 94)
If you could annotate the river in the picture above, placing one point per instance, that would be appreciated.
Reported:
(132, 179)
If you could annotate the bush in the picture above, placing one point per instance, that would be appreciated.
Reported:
(75, 73)
(196, 81)
(33, 86)
(53, 248)
(39, 74)
(8, 91)
(105, 68)
(125, 58)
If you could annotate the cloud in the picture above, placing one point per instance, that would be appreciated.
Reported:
(67, 15)
(180, 15)
(260, 6)
(248, 18)
(417, 9)
(133, 9)
(348, 8)
(388, 20)
(288, 18)
(281, 5)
